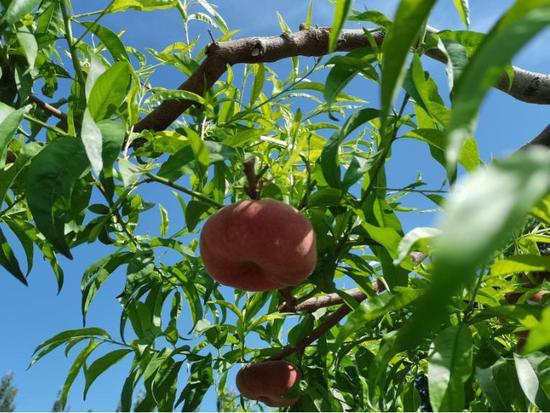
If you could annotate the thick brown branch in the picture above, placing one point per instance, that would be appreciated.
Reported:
(327, 324)
(313, 304)
(526, 86)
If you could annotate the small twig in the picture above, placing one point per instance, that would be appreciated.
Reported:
(45, 125)
(69, 37)
(251, 188)
(212, 37)
(422, 191)
(48, 108)
(194, 194)
(117, 216)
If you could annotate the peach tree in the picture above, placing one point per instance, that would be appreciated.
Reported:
(446, 318)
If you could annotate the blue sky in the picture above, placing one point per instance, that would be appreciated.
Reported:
(33, 314)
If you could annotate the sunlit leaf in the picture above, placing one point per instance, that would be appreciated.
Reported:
(409, 21)
(341, 10)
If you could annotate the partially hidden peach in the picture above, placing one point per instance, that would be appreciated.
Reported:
(268, 382)
(258, 246)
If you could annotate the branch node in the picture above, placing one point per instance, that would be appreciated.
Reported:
(251, 188)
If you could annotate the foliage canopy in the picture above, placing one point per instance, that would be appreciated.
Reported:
(432, 303)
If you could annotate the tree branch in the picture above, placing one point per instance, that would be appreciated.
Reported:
(327, 324)
(313, 304)
(46, 107)
(526, 86)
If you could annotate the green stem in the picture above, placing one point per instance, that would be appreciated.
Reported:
(45, 125)
(421, 191)
(88, 29)
(71, 45)
(88, 14)
(240, 115)
(117, 216)
(194, 194)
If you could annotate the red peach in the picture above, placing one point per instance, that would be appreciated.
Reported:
(268, 382)
(258, 246)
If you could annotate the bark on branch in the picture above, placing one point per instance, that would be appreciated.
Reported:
(327, 324)
(313, 304)
(526, 86)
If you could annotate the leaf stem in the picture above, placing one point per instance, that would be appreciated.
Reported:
(71, 45)
(155, 178)
(45, 125)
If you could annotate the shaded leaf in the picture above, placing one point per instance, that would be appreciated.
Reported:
(51, 175)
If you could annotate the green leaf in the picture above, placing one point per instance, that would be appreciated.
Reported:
(329, 156)
(200, 380)
(449, 366)
(177, 164)
(416, 237)
(100, 365)
(70, 334)
(18, 8)
(163, 221)
(500, 385)
(282, 24)
(457, 60)
(344, 70)
(259, 78)
(373, 16)
(8, 259)
(198, 146)
(539, 335)
(325, 197)
(521, 263)
(542, 210)
(529, 380)
(161, 94)
(109, 91)
(8, 175)
(111, 41)
(375, 307)
(51, 175)
(408, 23)
(28, 43)
(73, 372)
(490, 204)
(141, 5)
(10, 120)
(93, 142)
(193, 213)
(96, 274)
(112, 134)
(358, 167)
(463, 9)
(341, 11)
(307, 24)
(524, 20)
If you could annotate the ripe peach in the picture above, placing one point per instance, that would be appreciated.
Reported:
(268, 382)
(258, 246)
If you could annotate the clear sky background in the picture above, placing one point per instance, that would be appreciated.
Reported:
(31, 315)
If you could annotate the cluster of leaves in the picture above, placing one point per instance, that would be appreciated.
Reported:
(80, 178)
